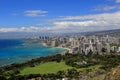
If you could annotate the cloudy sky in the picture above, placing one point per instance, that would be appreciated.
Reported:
(59, 16)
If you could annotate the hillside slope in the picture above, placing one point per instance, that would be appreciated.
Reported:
(114, 74)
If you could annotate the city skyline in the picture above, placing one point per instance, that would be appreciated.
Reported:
(59, 16)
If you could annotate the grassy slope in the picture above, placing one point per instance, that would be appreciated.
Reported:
(95, 67)
(50, 67)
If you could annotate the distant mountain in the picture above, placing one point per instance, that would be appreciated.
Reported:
(115, 32)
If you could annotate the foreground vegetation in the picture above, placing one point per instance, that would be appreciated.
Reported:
(53, 67)
(49, 67)
(91, 66)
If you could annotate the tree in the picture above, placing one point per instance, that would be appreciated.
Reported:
(2, 78)
(72, 73)
(61, 74)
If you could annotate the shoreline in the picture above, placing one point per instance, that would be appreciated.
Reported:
(10, 60)
(66, 49)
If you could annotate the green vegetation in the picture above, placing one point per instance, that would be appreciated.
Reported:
(45, 68)
(115, 45)
(60, 66)
(93, 68)
(53, 67)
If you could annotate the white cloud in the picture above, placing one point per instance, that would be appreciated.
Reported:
(103, 16)
(24, 29)
(117, 1)
(35, 13)
(95, 22)
(107, 8)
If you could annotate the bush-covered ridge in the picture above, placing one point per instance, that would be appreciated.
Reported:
(83, 66)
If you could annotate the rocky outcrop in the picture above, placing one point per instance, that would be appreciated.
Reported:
(114, 74)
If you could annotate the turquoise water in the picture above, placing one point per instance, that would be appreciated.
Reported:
(17, 51)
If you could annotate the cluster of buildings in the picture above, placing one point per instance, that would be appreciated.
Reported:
(85, 44)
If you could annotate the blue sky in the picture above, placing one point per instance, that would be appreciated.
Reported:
(59, 15)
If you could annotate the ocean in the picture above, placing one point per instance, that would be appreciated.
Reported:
(18, 50)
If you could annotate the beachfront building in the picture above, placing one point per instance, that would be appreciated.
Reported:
(78, 44)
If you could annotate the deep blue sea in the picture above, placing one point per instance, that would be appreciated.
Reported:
(19, 50)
